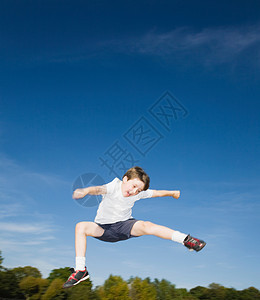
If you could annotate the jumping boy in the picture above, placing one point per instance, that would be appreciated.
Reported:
(114, 221)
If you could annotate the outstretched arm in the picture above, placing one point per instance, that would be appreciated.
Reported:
(91, 190)
(163, 193)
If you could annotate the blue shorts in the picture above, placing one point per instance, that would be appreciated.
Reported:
(118, 231)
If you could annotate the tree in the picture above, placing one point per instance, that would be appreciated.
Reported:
(232, 294)
(8, 283)
(33, 288)
(83, 291)
(1, 259)
(142, 289)
(62, 273)
(114, 288)
(216, 291)
(250, 294)
(55, 291)
(9, 287)
(199, 292)
(164, 289)
(183, 294)
(22, 272)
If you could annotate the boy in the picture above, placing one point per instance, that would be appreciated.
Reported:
(114, 221)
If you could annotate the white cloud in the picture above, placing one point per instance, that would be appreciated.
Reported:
(12, 172)
(25, 228)
(8, 210)
(210, 45)
(27, 235)
(16, 245)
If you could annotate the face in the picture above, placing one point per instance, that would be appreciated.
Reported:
(131, 187)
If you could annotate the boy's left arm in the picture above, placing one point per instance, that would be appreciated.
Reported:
(164, 193)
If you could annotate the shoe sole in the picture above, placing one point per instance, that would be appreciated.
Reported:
(82, 279)
(204, 244)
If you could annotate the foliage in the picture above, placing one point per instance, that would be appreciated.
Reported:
(142, 289)
(83, 291)
(183, 294)
(9, 287)
(33, 288)
(62, 273)
(232, 294)
(114, 288)
(216, 291)
(199, 292)
(1, 259)
(250, 294)
(55, 291)
(164, 289)
(22, 272)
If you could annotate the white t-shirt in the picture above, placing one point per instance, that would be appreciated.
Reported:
(114, 207)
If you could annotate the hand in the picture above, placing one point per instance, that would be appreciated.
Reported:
(78, 194)
(176, 194)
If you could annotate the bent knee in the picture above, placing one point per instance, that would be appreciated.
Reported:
(80, 227)
(88, 228)
(83, 227)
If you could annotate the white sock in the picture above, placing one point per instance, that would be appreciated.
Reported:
(80, 263)
(178, 237)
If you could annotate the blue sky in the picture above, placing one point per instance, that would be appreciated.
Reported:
(80, 78)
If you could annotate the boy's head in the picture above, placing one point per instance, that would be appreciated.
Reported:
(135, 180)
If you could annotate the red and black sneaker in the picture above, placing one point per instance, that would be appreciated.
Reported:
(76, 277)
(193, 244)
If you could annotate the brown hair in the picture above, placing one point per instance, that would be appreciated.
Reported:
(138, 172)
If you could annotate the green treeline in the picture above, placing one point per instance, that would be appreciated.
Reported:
(27, 283)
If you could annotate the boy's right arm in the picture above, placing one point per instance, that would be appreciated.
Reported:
(164, 193)
(91, 190)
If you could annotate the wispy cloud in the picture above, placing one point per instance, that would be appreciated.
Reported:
(20, 186)
(210, 45)
(15, 244)
(24, 228)
(9, 168)
(8, 210)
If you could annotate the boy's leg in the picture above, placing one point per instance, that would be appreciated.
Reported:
(82, 230)
(147, 228)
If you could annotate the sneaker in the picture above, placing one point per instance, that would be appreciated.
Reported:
(193, 244)
(76, 277)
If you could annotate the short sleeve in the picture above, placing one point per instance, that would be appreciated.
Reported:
(146, 194)
(111, 186)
